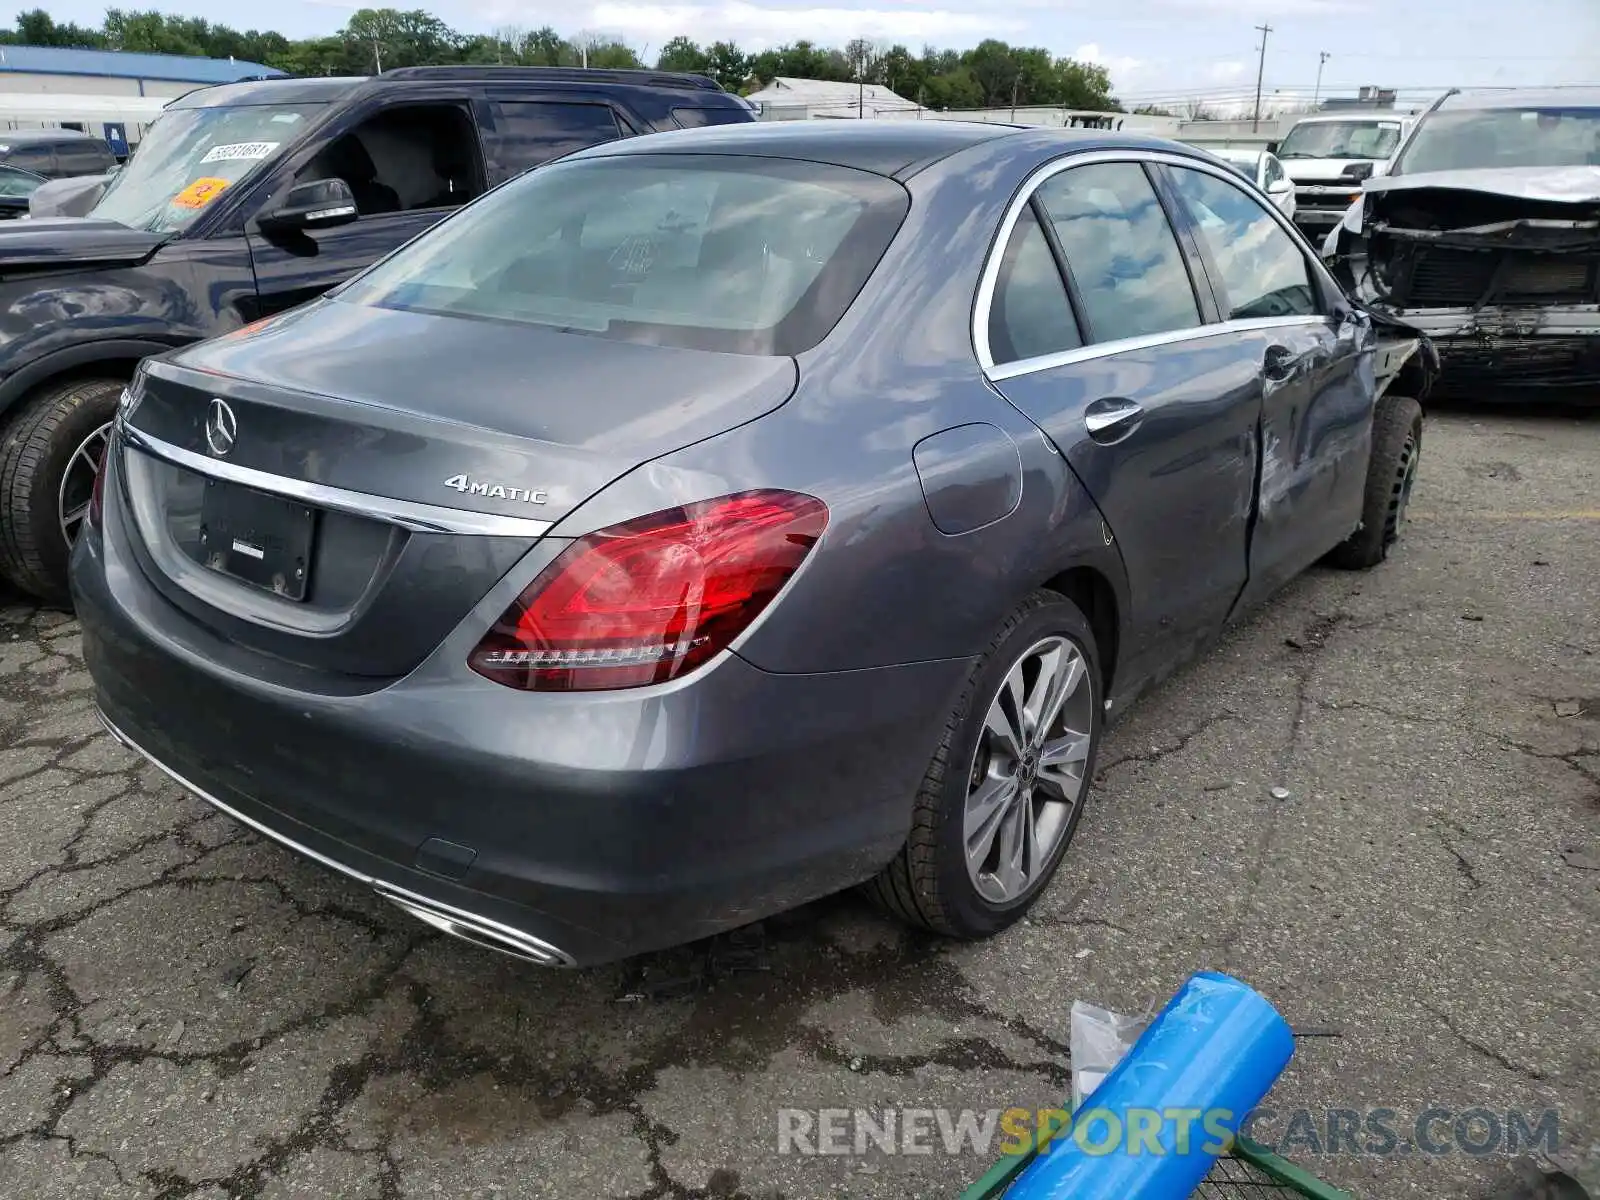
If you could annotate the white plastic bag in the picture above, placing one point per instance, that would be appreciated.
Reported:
(1098, 1040)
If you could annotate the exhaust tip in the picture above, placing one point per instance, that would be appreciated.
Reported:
(490, 935)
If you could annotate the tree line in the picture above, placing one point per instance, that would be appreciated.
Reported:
(992, 74)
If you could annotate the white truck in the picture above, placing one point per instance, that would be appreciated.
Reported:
(1330, 155)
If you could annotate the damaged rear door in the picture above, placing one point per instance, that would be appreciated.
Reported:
(1150, 399)
(1318, 387)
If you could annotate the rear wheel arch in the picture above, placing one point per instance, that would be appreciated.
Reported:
(1095, 596)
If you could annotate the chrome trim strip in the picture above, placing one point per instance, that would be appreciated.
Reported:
(410, 514)
(1065, 358)
(991, 270)
(443, 916)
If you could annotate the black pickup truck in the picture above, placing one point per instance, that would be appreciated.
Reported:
(244, 200)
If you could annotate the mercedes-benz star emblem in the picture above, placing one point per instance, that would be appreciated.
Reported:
(222, 428)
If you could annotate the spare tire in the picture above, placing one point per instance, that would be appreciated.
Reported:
(49, 454)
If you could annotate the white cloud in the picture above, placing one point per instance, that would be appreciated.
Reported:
(1119, 67)
(1226, 72)
(757, 26)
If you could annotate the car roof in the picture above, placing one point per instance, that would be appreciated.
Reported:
(1355, 114)
(270, 91)
(24, 137)
(894, 148)
(1547, 97)
(695, 89)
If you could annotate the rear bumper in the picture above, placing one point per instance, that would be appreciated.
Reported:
(566, 829)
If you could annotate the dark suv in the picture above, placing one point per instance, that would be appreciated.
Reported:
(55, 153)
(247, 199)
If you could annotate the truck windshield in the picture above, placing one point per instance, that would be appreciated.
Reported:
(190, 156)
(1374, 140)
(1504, 137)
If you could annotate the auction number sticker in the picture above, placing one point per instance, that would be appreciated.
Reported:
(239, 152)
(200, 193)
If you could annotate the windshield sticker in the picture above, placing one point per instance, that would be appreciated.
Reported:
(285, 118)
(200, 193)
(240, 152)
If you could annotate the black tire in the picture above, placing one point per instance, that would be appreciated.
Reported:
(1391, 472)
(39, 441)
(927, 884)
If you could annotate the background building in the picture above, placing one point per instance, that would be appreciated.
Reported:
(107, 92)
(53, 69)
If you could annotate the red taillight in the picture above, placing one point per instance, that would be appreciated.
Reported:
(651, 599)
(97, 496)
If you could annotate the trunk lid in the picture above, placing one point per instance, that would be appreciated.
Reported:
(414, 459)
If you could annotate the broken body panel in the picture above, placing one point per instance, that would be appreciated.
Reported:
(1501, 268)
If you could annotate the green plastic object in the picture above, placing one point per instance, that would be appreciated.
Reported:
(1246, 1171)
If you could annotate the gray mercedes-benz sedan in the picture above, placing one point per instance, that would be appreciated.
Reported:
(711, 521)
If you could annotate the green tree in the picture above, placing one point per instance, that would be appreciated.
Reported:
(728, 65)
(37, 28)
(683, 54)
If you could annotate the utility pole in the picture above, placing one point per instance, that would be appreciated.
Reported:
(861, 90)
(377, 57)
(1261, 72)
(1015, 84)
(1322, 61)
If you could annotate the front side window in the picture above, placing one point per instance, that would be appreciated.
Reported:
(39, 159)
(1121, 251)
(1375, 140)
(1262, 268)
(1029, 313)
(534, 132)
(190, 156)
(750, 256)
(1503, 137)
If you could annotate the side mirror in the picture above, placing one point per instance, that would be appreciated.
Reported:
(1272, 147)
(315, 204)
(1280, 187)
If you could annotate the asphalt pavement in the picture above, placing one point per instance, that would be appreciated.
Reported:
(1377, 800)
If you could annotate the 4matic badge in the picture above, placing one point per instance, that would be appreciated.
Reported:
(496, 491)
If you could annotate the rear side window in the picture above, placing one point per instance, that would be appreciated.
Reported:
(1121, 251)
(1030, 314)
(1264, 271)
(534, 132)
(744, 255)
(695, 118)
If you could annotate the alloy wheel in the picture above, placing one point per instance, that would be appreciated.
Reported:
(77, 482)
(1027, 773)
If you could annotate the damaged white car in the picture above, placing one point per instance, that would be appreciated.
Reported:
(1485, 235)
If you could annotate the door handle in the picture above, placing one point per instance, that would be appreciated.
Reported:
(1112, 419)
(1281, 364)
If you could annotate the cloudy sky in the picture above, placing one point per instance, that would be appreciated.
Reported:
(1152, 47)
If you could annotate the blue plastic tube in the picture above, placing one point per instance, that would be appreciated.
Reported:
(1157, 1123)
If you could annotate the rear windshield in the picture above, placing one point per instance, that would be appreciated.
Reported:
(1503, 137)
(712, 252)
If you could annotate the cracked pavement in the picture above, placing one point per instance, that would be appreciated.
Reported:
(190, 1011)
